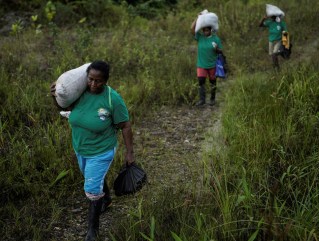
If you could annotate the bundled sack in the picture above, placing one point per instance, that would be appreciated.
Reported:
(272, 10)
(71, 85)
(130, 179)
(206, 19)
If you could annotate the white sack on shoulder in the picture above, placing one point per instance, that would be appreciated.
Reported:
(272, 10)
(71, 85)
(207, 19)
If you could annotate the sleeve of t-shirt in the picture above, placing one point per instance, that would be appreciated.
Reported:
(197, 36)
(120, 111)
(267, 22)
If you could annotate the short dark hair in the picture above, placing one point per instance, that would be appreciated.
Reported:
(102, 66)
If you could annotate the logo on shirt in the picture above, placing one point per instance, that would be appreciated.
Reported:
(103, 114)
(278, 28)
(214, 44)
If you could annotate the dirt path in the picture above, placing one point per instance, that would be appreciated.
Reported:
(168, 145)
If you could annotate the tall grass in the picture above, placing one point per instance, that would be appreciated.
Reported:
(274, 137)
(263, 186)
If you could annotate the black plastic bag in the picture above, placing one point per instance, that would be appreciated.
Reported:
(284, 52)
(130, 179)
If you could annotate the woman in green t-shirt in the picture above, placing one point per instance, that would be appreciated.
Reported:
(208, 47)
(95, 118)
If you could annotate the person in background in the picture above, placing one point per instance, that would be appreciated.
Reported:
(208, 47)
(276, 27)
(94, 119)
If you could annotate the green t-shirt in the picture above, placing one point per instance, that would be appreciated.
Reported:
(206, 54)
(275, 29)
(92, 121)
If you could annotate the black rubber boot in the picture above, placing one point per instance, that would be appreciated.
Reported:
(107, 200)
(202, 96)
(212, 92)
(275, 61)
(94, 220)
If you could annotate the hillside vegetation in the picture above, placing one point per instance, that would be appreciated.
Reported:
(261, 184)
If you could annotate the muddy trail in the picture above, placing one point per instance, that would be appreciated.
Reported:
(168, 144)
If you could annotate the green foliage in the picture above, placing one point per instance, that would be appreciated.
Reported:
(50, 11)
(17, 28)
(265, 184)
(271, 124)
(152, 231)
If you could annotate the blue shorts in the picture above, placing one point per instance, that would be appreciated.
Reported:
(94, 170)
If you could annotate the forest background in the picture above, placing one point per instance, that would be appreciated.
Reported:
(261, 184)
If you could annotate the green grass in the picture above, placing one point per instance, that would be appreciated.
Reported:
(264, 184)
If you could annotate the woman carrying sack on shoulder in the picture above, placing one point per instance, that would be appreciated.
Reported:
(95, 118)
(208, 47)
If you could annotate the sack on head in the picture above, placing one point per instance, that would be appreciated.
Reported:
(272, 10)
(207, 19)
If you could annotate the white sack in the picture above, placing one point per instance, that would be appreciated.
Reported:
(71, 85)
(203, 12)
(206, 19)
(272, 10)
